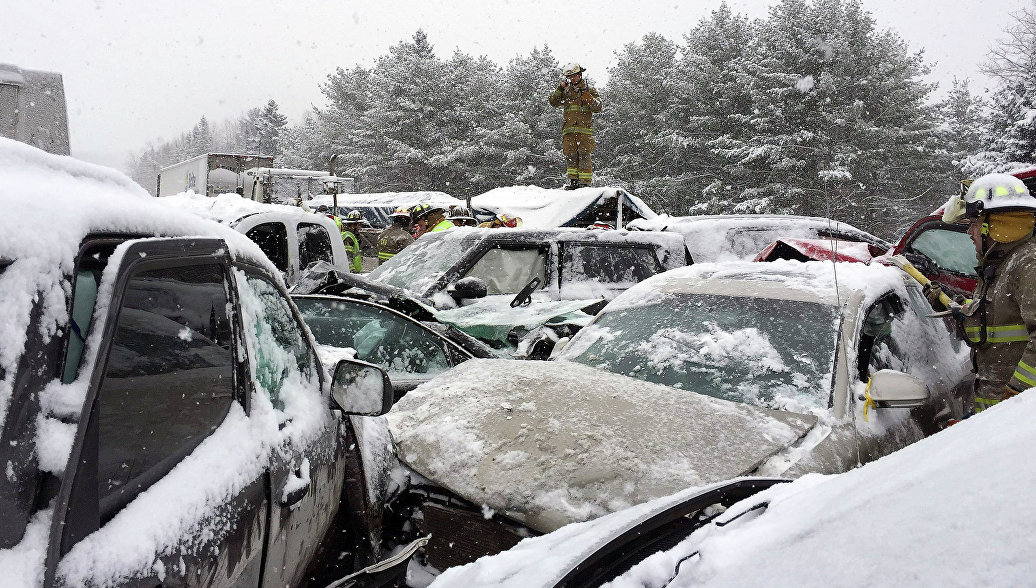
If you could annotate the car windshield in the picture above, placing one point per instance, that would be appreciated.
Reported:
(418, 266)
(753, 350)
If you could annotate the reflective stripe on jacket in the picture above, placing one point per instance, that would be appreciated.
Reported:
(1002, 330)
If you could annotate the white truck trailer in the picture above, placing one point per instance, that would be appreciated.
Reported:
(209, 174)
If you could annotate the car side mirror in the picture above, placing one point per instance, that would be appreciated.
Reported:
(892, 389)
(361, 388)
(469, 287)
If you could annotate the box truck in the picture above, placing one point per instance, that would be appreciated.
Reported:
(209, 174)
(291, 186)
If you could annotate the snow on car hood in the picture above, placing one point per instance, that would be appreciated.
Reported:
(550, 443)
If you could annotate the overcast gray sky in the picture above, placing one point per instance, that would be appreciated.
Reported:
(137, 71)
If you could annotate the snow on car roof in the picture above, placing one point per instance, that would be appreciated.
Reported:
(792, 280)
(922, 515)
(543, 208)
(50, 204)
(724, 237)
(387, 199)
(229, 208)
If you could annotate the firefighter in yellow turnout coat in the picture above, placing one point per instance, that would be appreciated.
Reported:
(1000, 322)
(580, 102)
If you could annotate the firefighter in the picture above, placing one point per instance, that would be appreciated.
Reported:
(1000, 322)
(350, 228)
(395, 238)
(429, 218)
(577, 129)
(461, 217)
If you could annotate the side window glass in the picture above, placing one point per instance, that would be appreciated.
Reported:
(314, 244)
(284, 366)
(507, 271)
(378, 336)
(950, 250)
(272, 238)
(881, 338)
(168, 380)
(607, 264)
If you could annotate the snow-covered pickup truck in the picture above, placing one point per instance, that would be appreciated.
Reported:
(164, 416)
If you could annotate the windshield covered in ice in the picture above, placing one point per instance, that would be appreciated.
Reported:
(753, 350)
(418, 266)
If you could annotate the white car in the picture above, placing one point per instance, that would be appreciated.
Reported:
(731, 237)
(292, 238)
(694, 376)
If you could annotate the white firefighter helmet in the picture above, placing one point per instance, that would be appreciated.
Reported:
(572, 69)
(990, 193)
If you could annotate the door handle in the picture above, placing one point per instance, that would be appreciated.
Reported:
(296, 486)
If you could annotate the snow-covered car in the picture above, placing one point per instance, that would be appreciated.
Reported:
(164, 416)
(916, 514)
(526, 277)
(292, 238)
(697, 375)
(743, 236)
(411, 352)
(540, 208)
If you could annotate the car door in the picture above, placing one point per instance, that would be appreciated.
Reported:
(152, 494)
(307, 465)
(895, 335)
(943, 252)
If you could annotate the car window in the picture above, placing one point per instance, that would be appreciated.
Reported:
(607, 263)
(277, 346)
(881, 338)
(168, 379)
(507, 271)
(395, 343)
(314, 245)
(272, 238)
(950, 250)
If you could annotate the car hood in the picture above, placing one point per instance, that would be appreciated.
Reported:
(550, 443)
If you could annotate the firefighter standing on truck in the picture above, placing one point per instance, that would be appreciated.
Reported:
(1000, 322)
(577, 129)
(395, 238)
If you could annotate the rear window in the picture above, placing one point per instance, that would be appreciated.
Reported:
(314, 245)
(272, 238)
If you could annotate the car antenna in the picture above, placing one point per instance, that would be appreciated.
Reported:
(841, 346)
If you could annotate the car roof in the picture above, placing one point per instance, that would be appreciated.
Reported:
(813, 281)
(233, 209)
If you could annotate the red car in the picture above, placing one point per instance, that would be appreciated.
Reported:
(944, 252)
